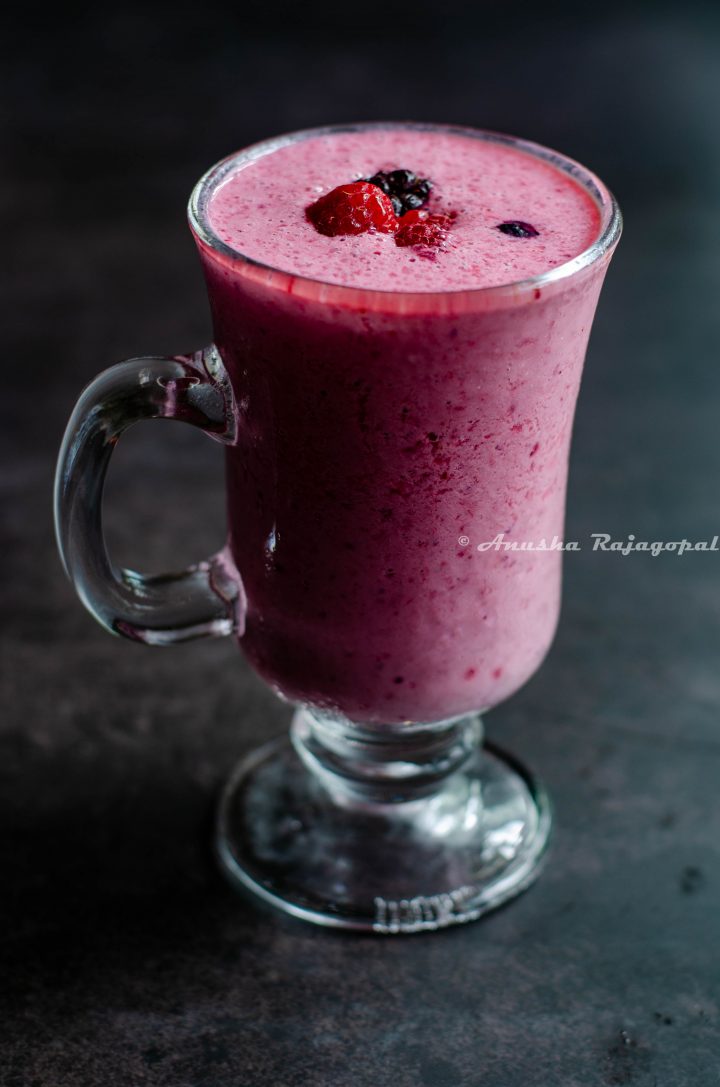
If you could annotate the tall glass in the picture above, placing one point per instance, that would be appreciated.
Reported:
(377, 443)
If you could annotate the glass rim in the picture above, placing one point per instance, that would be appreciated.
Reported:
(604, 243)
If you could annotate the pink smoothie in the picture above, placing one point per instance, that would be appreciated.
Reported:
(388, 409)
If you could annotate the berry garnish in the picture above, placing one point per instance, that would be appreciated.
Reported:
(406, 190)
(422, 228)
(517, 229)
(353, 209)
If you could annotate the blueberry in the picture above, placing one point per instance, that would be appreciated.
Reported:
(517, 229)
(406, 190)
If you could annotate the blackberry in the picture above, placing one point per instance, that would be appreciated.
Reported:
(516, 229)
(406, 190)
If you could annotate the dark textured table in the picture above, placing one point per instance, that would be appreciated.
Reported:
(125, 958)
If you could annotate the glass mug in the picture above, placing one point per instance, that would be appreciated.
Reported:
(375, 447)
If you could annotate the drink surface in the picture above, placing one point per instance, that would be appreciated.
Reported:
(259, 210)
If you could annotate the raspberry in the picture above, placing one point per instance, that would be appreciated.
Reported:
(406, 190)
(422, 228)
(516, 229)
(353, 209)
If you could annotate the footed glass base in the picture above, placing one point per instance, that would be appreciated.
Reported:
(439, 851)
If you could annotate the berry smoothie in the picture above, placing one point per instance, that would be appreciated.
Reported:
(400, 404)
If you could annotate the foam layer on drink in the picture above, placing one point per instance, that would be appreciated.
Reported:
(259, 211)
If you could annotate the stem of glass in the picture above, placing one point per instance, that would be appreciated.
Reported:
(375, 765)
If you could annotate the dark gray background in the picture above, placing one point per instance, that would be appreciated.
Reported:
(126, 960)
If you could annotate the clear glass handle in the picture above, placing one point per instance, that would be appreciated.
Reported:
(206, 600)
